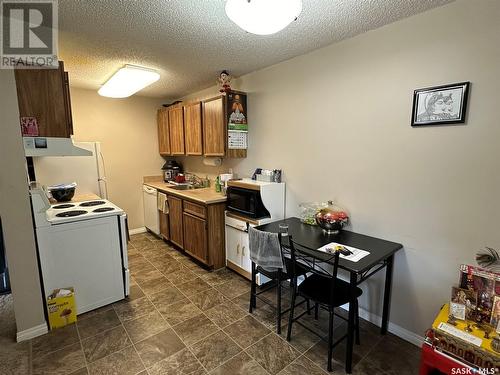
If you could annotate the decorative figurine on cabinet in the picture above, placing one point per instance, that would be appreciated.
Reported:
(224, 81)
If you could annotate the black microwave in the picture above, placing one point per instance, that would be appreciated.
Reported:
(246, 202)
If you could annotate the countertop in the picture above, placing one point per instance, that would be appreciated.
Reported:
(203, 195)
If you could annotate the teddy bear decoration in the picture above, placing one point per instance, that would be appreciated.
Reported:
(224, 81)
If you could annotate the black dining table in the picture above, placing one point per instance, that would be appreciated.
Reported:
(381, 256)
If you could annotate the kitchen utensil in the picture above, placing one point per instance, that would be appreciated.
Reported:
(332, 218)
(63, 195)
(170, 170)
(62, 192)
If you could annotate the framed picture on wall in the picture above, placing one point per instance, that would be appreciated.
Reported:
(440, 105)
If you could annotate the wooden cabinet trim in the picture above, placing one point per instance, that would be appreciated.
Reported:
(216, 237)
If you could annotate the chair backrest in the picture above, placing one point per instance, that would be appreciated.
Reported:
(272, 240)
(301, 256)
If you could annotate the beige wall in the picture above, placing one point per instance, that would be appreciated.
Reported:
(15, 211)
(337, 121)
(127, 131)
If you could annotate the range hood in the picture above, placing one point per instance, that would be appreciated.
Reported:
(51, 146)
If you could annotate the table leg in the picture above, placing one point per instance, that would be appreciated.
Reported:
(387, 294)
(350, 327)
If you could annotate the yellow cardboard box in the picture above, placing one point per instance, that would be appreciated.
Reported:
(61, 307)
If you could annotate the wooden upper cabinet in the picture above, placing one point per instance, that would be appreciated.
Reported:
(176, 130)
(163, 132)
(192, 129)
(214, 127)
(44, 94)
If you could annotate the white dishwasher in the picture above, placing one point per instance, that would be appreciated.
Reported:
(151, 213)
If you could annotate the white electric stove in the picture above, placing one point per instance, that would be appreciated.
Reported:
(82, 245)
(71, 212)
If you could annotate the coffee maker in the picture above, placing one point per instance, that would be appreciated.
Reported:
(170, 170)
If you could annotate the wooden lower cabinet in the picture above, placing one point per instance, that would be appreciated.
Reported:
(164, 226)
(175, 217)
(195, 237)
(196, 228)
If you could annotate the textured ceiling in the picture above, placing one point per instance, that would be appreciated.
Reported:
(190, 41)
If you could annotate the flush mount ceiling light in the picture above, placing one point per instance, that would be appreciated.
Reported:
(263, 17)
(127, 81)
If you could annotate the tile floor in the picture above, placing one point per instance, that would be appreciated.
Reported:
(183, 319)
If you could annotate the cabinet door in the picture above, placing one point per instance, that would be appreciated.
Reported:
(195, 237)
(246, 263)
(163, 133)
(192, 128)
(164, 227)
(41, 93)
(214, 128)
(233, 245)
(175, 220)
(176, 130)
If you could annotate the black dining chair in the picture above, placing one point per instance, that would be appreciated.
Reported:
(326, 291)
(277, 277)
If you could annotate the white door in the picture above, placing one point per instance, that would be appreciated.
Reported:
(85, 255)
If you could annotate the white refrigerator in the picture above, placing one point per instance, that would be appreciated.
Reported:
(87, 171)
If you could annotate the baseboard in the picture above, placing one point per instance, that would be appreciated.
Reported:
(32, 332)
(137, 230)
(401, 332)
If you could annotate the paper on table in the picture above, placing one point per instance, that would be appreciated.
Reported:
(356, 256)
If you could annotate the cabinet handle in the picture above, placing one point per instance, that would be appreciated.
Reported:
(243, 251)
(237, 248)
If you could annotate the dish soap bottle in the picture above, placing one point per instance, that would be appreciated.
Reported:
(217, 185)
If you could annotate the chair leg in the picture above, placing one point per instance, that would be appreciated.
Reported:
(253, 302)
(356, 306)
(330, 339)
(316, 311)
(350, 339)
(278, 307)
(292, 308)
(308, 307)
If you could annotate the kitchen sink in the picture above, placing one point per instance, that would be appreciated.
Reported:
(185, 187)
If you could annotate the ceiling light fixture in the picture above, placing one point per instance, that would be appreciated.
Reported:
(263, 17)
(127, 81)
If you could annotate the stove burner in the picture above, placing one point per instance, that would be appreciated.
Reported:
(91, 203)
(61, 206)
(103, 209)
(71, 213)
